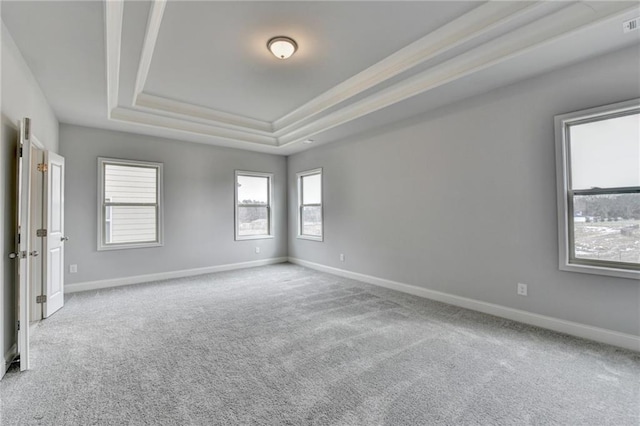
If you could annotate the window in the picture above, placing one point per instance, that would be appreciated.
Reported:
(598, 161)
(129, 204)
(253, 205)
(310, 205)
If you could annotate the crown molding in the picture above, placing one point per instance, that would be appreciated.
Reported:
(150, 38)
(209, 115)
(512, 27)
(141, 99)
(473, 24)
(218, 124)
(113, 13)
(151, 119)
(535, 34)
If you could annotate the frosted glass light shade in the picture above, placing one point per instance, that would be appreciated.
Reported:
(282, 47)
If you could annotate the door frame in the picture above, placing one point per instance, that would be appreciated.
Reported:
(23, 251)
(37, 222)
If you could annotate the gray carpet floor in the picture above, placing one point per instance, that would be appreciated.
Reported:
(287, 345)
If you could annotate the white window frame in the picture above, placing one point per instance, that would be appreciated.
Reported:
(567, 261)
(107, 220)
(102, 205)
(269, 206)
(299, 181)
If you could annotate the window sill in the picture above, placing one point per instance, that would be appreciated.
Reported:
(600, 270)
(130, 246)
(310, 237)
(254, 237)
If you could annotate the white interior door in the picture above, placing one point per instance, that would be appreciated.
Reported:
(53, 243)
(23, 237)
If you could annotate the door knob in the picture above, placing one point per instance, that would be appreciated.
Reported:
(34, 253)
(18, 255)
(13, 255)
(64, 238)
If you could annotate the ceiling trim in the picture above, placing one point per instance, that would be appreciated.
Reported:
(150, 37)
(140, 98)
(472, 24)
(565, 21)
(193, 111)
(222, 127)
(113, 12)
(222, 119)
(155, 120)
(523, 25)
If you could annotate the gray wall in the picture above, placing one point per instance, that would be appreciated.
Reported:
(21, 97)
(198, 205)
(463, 200)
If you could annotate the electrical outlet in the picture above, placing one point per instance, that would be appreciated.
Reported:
(341, 257)
(522, 289)
(257, 250)
(631, 25)
(73, 269)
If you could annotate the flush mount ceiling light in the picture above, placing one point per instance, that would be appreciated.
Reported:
(282, 47)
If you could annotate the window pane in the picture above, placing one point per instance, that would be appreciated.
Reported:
(312, 189)
(312, 221)
(130, 184)
(107, 231)
(253, 190)
(607, 227)
(253, 221)
(606, 153)
(133, 224)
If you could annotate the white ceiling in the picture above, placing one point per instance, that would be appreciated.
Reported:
(200, 71)
(214, 54)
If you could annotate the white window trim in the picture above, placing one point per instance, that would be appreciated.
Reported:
(107, 219)
(299, 177)
(102, 246)
(563, 168)
(239, 237)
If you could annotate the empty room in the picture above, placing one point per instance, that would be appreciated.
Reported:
(320, 212)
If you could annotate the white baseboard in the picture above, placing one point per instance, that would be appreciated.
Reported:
(116, 282)
(623, 340)
(7, 358)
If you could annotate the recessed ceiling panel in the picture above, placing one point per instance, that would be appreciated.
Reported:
(214, 54)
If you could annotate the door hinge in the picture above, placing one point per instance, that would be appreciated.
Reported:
(20, 151)
(41, 233)
(42, 167)
(41, 299)
(18, 324)
(27, 128)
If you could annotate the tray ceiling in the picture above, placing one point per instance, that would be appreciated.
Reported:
(214, 54)
(200, 71)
